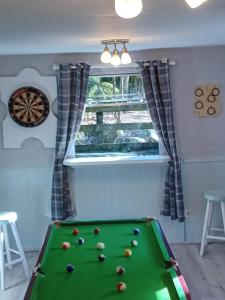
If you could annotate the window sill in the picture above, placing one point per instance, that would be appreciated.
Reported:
(116, 160)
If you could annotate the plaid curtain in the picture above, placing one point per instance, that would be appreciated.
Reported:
(72, 89)
(156, 82)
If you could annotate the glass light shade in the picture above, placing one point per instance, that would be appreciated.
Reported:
(125, 58)
(194, 3)
(128, 8)
(106, 56)
(115, 61)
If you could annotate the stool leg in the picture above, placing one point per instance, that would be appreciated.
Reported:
(209, 222)
(20, 248)
(206, 226)
(7, 246)
(2, 262)
(223, 214)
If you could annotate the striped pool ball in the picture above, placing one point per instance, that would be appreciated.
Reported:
(127, 252)
(121, 286)
(66, 245)
(120, 270)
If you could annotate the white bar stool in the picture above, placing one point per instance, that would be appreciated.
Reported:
(212, 197)
(9, 218)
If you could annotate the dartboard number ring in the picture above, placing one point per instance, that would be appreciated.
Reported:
(28, 106)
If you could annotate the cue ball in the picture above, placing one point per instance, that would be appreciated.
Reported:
(81, 241)
(120, 270)
(65, 245)
(70, 268)
(121, 286)
(96, 230)
(136, 231)
(127, 252)
(75, 231)
(101, 257)
(100, 245)
(134, 243)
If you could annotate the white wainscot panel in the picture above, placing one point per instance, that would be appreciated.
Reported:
(114, 192)
(13, 134)
(27, 191)
(199, 176)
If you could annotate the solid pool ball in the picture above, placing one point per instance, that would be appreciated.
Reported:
(134, 243)
(96, 230)
(101, 257)
(121, 286)
(136, 231)
(75, 231)
(120, 270)
(100, 245)
(127, 252)
(81, 241)
(65, 245)
(70, 268)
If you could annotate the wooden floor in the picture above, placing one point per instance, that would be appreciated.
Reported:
(205, 276)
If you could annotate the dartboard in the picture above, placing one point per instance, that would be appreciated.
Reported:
(28, 106)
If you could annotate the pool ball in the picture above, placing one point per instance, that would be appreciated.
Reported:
(100, 245)
(101, 257)
(134, 243)
(75, 231)
(120, 270)
(127, 252)
(70, 268)
(121, 286)
(96, 230)
(136, 231)
(81, 241)
(65, 245)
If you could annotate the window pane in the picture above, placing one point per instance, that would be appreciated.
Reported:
(116, 118)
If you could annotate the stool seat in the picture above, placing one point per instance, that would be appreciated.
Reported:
(8, 219)
(212, 197)
(215, 195)
(7, 216)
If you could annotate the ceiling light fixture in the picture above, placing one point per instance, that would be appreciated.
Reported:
(125, 58)
(106, 55)
(115, 59)
(128, 8)
(195, 3)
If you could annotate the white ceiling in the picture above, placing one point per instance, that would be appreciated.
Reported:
(60, 26)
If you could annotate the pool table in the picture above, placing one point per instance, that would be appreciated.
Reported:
(151, 272)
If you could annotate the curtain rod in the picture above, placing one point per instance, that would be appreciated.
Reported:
(101, 66)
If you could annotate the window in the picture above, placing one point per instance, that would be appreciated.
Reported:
(116, 119)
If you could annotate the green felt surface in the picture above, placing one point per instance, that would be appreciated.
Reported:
(146, 276)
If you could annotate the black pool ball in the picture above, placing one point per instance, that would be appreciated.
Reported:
(101, 257)
(70, 268)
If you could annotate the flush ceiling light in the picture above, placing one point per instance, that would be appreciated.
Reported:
(115, 59)
(194, 3)
(128, 8)
(106, 55)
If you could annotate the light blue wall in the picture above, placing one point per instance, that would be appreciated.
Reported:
(122, 191)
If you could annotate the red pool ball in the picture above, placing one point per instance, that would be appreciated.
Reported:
(75, 231)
